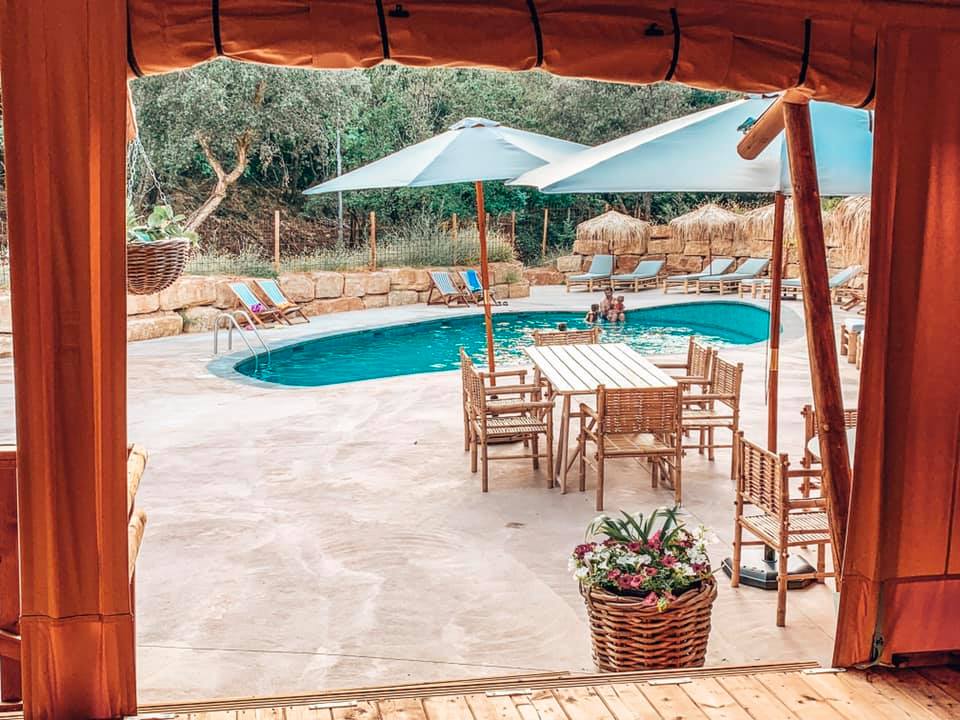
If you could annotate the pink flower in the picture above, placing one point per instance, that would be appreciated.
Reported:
(636, 581)
(581, 550)
(669, 560)
(649, 571)
(650, 600)
(613, 574)
(698, 567)
(655, 542)
(634, 547)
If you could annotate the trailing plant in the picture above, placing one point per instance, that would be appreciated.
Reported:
(654, 557)
(161, 224)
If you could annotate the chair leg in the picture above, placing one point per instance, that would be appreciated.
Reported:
(700, 442)
(535, 452)
(466, 429)
(484, 465)
(710, 443)
(737, 552)
(473, 451)
(678, 480)
(782, 588)
(549, 441)
(600, 468)
(582, 446)
(821, 562)
(654, 472)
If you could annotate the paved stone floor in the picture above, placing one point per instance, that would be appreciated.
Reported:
(309, 538)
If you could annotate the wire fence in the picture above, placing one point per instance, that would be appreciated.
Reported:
(275, 243)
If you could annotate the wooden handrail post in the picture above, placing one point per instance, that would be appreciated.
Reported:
(373, 240)
(776, 283)
(818, 314)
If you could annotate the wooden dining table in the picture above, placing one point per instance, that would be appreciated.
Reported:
(574, 370)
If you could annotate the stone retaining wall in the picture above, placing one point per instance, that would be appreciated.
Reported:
(691, 257)
(192, 303)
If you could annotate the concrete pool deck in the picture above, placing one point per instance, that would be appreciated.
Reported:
(309, 538)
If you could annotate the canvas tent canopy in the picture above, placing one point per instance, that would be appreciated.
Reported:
(65, 187)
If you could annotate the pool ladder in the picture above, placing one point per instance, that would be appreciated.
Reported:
(232, 323)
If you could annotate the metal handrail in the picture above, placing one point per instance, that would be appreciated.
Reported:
(231, 317)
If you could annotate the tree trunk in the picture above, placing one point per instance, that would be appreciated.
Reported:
(224, 179)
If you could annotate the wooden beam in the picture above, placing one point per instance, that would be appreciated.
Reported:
(776, 283)
(818, 314)
(768, 126)
(63, 67)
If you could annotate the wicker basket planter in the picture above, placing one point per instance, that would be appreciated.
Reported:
(629, 636)
(154, 266)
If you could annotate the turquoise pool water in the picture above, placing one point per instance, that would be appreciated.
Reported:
(432, 345)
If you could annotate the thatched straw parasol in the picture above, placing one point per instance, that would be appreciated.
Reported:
(848, 228)
(706, 223)
(612, 233)
(757, 224)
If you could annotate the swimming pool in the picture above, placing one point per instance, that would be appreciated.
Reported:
(433, 345)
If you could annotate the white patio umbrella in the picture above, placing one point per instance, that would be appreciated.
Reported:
(472, 150)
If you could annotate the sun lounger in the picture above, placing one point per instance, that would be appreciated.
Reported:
(280, 301)
(445, 289)
(601, 268)
(717, 267)
(258, 310)
(839, 283)
(749, 270)
(473, 288)
(645, 274)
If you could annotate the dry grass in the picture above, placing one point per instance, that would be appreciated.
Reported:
(848, 227)
(706, 223)
(612, 232)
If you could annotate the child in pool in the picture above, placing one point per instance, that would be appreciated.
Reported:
(618, 311)
(593, 314)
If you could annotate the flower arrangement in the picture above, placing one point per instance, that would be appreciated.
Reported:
(656, 558)
(161, 224)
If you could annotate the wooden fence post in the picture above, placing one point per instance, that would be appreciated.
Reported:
(453, 226)
(543, 244)
(513, 228)
(373, 240)
(276, 241)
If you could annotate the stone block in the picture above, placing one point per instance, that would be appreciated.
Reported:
(327, 284)
(678, 264)
(409, 279)
(199, 319)
(520, 289)
(661, 231)
(543, 276)
(155, 325)
(374, 301)
(502, 291)
(724, 247)
(569, 263)
(6, 318)
(792, 270)
(423, 296)
(298, 287)
(353, 284)
(696, 247)
(625, 263)
(405, 297)
(332, 305)
(225, 299)
(663, 246)
(189, 291)
(136, 305)
(501, 273)
(591, 246)
(376, 283)
(633, 245)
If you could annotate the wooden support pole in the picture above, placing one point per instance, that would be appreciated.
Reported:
(454, 227)
(818, 314)
(10, 685)
(276, 241)
(64, 101)
(373, 240)
(513, 228)
(485, 277)
(768, 125)
(776, 285)
(546, 222)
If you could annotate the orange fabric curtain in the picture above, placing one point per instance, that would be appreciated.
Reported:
(64, 81)
(749, 46)
(901, 588)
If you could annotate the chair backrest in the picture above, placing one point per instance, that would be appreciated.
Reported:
(638, 410)
(472, 280)
(601, 265)
(273, 292)
(727, 380)
(474, 389)
(648, 268)
(700, 359)
(761, 476)
(567, 337)
(845, 276)
(752, 266)
(245, 295)
(443, 282)
(719, 266)
(810, 429)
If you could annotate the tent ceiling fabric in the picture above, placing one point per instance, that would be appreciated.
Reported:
(746, 45)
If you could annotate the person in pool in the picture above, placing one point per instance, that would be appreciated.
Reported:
(619, 309)
(593, 314)
(606, 306)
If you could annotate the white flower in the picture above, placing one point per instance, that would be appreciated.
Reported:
(572, 564)
(580, 573)
(643, 559)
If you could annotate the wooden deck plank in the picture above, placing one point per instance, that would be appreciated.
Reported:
(525, 707)
(491, 708)
(401, 709)
(636, 701)
(635, 707)
(797, 695)
(850, 701)
(222, 715)
(926, 693)
(715, 702)
(546, 705)
(361, 711)
(882, 694)
(304, 712)
(946, 678)
(756, 699)
(261, 714)
(672, 702)
(582, 703)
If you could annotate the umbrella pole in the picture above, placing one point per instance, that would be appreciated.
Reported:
(485, 273)
(776, 278)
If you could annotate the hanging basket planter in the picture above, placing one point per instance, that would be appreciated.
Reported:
(154, 266)
(628, 635)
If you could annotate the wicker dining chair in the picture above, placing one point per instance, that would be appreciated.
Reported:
(698, 368)
(506, 398)
(527, 420)
(810, 431)
(567, 337)
(717, 410)
(636, 423)
(765, 509)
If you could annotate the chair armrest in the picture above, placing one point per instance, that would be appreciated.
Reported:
(510, 389)
(693, 399)
(523, 405)
(522, 373)
(671, 366)
(807, 504)
(588, 411)
(805, 472)
(691, 380)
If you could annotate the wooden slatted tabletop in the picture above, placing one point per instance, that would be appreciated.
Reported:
(580, 370)
(730, 693)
